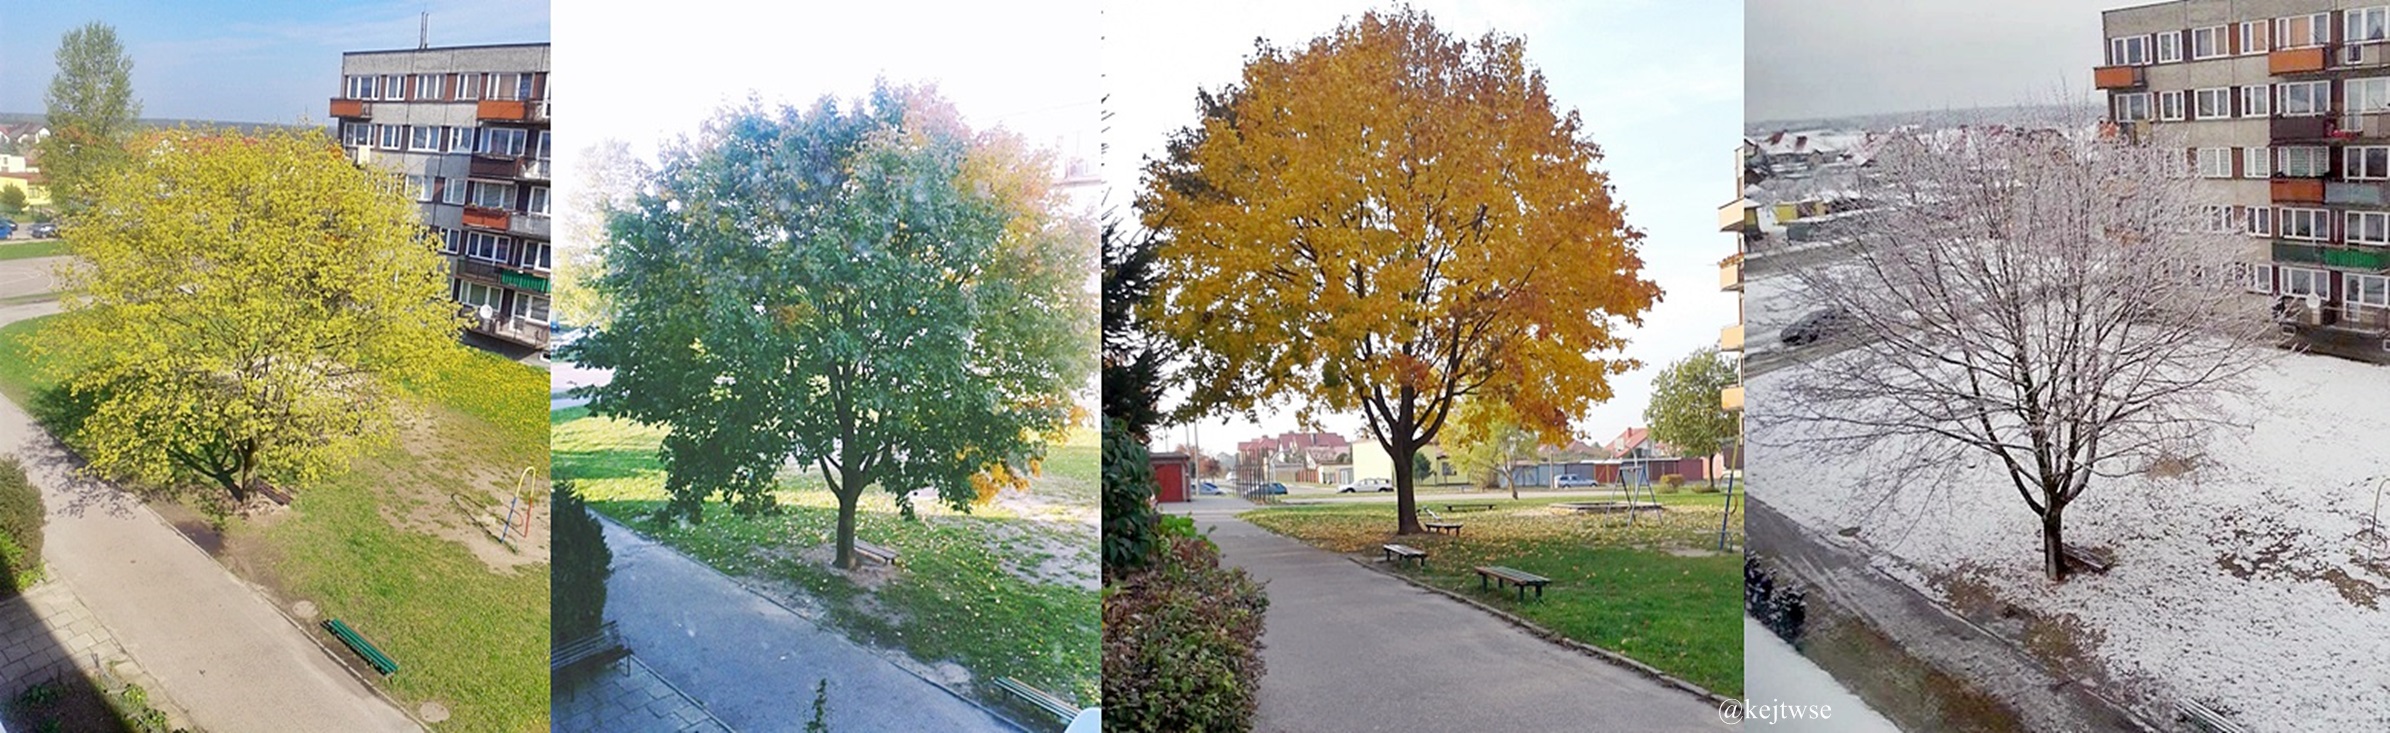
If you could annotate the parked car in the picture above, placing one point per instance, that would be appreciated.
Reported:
(1573, 482)
(44, 230)
(1207, 487)
(1815, 327)
(7, 228)
(1270, 488)
(1367, 484)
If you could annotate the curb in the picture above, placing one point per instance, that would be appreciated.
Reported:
(1549, 635)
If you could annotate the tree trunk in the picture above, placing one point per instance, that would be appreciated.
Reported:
(2053, 544)
(850, 494)
(1406, 505)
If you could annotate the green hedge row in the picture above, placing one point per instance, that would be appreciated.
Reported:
(20, 527)
(1182, 643)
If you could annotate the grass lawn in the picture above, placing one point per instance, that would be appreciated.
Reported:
(470, 638)
(40, 248)
(1003, 591)
(1614, 585)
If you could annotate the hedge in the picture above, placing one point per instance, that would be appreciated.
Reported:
(20, 527)
(1182, 644)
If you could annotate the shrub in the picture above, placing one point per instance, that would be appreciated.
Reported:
(1182, 644)
(1129, 516)
(1672, 481)
(577, 595)
(20, 527)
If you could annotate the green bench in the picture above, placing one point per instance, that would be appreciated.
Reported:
(373, 657)
(600, 648)
(1049, 702)
(1520, 578)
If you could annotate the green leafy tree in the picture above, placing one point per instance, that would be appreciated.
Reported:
(875, 293)
(1684, 410)
(582, 563)
(92, 114)
(1421, 468)
(247, 308)
(1487, 440)
(12, 200)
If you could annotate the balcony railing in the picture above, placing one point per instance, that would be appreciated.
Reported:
(523, 281)
(473, 269)
(1731, 338)
(2298, 60)
(1730, 275)
(528, 225)
(486, 218)
(2117, 77)
(1738, 216)
(1731, 398)
(355, 109)
(2301, 129)
(528, 333)
(495, 167)
(510, 110)
(2298, 190)
(2357, 257)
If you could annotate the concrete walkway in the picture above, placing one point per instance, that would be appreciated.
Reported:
(1348, 649)
(752, 662)
(219, 649)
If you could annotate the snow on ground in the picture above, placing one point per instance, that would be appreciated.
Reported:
(2246, 584)
(1778, 674)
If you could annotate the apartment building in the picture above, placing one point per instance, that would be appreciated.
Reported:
(466, 127)
(2284, 108)
(1739, 217)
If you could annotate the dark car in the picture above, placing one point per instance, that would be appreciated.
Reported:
(44, 230)
(1815, 327)
(7, 228)
(1270, 488)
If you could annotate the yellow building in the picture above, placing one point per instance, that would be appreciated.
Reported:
(31, 182)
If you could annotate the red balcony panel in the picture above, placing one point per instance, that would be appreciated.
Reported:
(476, 216)
(2117, 77)
(2298, 191)
(503, 110)
(2298, 60)
(351, 108)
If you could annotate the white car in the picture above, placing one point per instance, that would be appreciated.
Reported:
(1573, 482)
(1367, 484)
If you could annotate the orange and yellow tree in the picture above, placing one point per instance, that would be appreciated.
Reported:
(1390, 219)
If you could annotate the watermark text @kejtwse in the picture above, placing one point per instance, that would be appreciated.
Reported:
(1770, 712)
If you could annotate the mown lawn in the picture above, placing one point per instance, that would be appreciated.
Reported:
(41, 248)
(1614, 585)
(469, 638)
(954, 600)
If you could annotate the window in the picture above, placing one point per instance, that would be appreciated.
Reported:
(468, 87)
(423, 137)
(2305, 98)
(506, 85)
(2132, 107)
(492, 195)
(2257, 278)
(356, 134)
(535, 309)
(540, 149)
(2303, 31)
(2170, 47)
(2261, 221)
(2170, 105)
(502, 141)
(2207, 43)
(2365, 96)
(2303, 281)
(361, 87)
(2215, 162)
(2256, 100)
(2253, 37)
(2309, 224)
(2211, 104)
(452, 241)
(2365, 25)
(535, 254)
(2215, 218)
(418, 188)
(453, 192)
(394, 87)
(539, 201)
(2367, 227)
(460, 139)
(2370, 290)
(427, 86)
(2128, 51)
(2256, 163)
(486, 246)
(2304, 161)
(391, 135)
(2365, 162)
(476, 294)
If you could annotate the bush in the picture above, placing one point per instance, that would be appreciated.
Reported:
(1182, 644)
(1672, 481)
(577, 594)
(1129, 516)
(20, 527)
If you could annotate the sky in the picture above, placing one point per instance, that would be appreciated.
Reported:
(1659, 85)
(243, 60)
(1813, 59)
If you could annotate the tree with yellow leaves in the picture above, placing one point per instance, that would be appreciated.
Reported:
(245, 310)
(1390, 219)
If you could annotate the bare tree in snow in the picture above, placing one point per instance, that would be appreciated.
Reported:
(2065, 306)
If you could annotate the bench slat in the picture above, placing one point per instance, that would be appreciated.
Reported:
(1051, 703)
(356, 642)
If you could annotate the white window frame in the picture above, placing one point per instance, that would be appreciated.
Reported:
(2136, 102)
(453, 192)
(2257, 100)
(2317, 25)
(356, 134)
(2369, 291)
(2365, 163)
(430, 86)
(360, 86)
(423, 138)
(2314, 97)
(2216, 42)
(484, 193)
(2366, 95)
(2313, 225)
(2254, 37)
(2129, 51)
(503, 141)
(2215, 219)
(2305, 281)
(538, 205)
(460, 139)
(534, 254)
(534, 309)
(2365, 25)
(2170, 47)
(2257, 277)
(2366, 227)
(2171, 106)
(2213, 103)
(2257, 162)
(2260, 221)
(2215, 162)
(391, 136)
(2303, 161)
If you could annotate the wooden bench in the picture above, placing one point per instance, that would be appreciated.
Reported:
(1436, 523)
(2203, 718)
(600, 648)
(1468, 507)
(876, 553)
(1396, 553)
(1049, 702)
(373, 657)
(1519, 578)
(2086, 558)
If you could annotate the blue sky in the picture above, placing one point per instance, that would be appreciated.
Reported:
(243, 60)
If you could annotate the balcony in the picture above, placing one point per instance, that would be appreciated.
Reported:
(528, 226)
(2369, 125)
(355, 109)
(1730, 274)
(523, 281)
(2359, 258)
(527, 333)
(487, 218)
(2117, 77)
(1731, 398)
(2354, 193)
(1731, 338)
(2298, 60)
(535, 170)
(495, 167)
(473, 269)
(2298, 190)
(2300, 129)
(510, 110)
(1740, 216)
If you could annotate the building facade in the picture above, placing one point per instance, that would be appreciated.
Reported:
(467, 129)
(2283, 107)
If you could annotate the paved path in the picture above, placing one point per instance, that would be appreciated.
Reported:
(753, 662)
(1348, 649)
(218, 648)
(48, 631)
(628, 697)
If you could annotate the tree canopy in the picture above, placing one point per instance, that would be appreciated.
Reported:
(1486, 439)
(245, 309)
(873, 292)
(1386, 220)
(92, 113)
(1684, 409)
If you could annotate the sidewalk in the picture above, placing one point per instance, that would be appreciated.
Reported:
(217, 647)
(1348, 649)
(752, 662)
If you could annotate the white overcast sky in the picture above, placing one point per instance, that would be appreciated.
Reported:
(1813, 59)
(1659, 85)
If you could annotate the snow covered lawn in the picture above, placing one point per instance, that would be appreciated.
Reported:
(2247, 583)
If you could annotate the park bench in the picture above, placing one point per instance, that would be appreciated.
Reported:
(2085, 558)
(876, 553)
(1468, 507)
(373, 657)
(1395, 553)
(1049, 702)
(2203, 718)
(595, 649)
(1436, 523)
(1502, 575)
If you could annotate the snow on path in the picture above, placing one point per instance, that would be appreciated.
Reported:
(1777, 673)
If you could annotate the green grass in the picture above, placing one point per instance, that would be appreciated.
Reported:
(42, 248)
(953, 601)
(469, 638)
(1614, 584)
